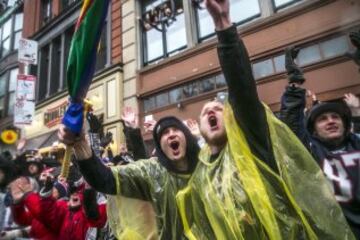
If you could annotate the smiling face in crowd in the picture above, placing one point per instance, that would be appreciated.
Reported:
(329, 126)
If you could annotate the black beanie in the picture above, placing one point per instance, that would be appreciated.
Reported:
(192, 148)
(339, 107)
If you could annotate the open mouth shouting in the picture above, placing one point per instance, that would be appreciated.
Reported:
(213, 122)
(175, 146)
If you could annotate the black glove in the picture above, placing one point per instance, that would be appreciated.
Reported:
(90, 204)
(295, 74)
(47, 185)
(355, 40)
(94, 123)
(106, 140)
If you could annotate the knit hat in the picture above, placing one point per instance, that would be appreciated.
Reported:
(192, 148)
(338, 107)
(62, 189)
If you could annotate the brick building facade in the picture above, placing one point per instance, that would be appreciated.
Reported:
(51, 23)
(174, 72)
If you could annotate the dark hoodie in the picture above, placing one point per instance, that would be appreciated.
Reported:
(154, 180)
(192, 148)
(101, 178)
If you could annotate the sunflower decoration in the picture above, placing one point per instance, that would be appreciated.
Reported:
(9, 136)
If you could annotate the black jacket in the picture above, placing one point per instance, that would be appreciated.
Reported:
(340, 164)
(135, 143)
(243, 98)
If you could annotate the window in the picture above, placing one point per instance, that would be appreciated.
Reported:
(68, 36)
(166, 29)
(46, 12)
(12, 89)
(6, 37)
(327, 49)
(207, 85)
(18, 29)
(323, 50)
(279, 62)
(263, 68)
(43, 75)
(175, 95)
(55, 65)
(220, 81)
(7, 92)
(101, 51)
(53, 59)
(309, 55)
(162, 99)
(162, 38)
(186, 91)
(191, 90)
(10, 33)
(278, 4)
(334, 47)
(241, 11)
(149, 104)
(67, 3)
(2, 94)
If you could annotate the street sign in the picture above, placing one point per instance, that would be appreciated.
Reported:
(24, 109)
(28, 51)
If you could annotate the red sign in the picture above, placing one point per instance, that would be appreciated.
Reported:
(54, 115)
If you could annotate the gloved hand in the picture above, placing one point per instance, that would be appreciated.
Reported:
(355, 40)
(94, 123)
(106, 140)
(46, 181)
(294, 72)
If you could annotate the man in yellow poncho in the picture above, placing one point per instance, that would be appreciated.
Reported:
(155, 180)
(254, 180)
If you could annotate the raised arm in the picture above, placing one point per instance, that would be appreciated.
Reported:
(293, 100)
(130, 180)
(95, 213)
(249, 111)
(134, 140)
(353, 102)
(292, 108)
(95, 173)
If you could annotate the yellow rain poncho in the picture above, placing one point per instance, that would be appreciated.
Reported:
(145, 204)
(237, 196)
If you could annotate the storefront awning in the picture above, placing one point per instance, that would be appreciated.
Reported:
(42, 141)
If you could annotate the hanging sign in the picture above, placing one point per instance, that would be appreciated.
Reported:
(24, 109)
(28, 51)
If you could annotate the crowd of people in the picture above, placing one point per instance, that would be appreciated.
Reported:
(238, 172)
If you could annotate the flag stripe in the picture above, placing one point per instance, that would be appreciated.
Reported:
(84, 10)
(82, 57)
